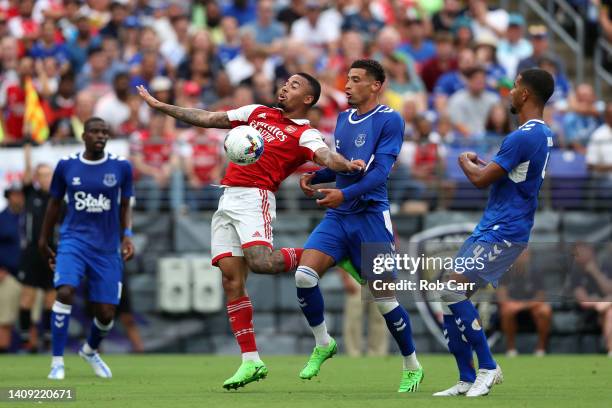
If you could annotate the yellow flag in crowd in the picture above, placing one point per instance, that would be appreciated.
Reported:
(1, 131)
(34, 117)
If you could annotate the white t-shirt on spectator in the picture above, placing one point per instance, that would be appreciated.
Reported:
(240, 68)
(112, 110)
(315, 36)
(599, 148)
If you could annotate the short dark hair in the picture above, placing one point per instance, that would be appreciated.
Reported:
(315, 86)
(540, 82)
(91, 121)
(372, 68)
(479, 69)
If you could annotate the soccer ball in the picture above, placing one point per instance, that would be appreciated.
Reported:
(243, 145)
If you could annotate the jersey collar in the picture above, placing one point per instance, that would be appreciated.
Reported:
(299, 122)
(533, 120)
(93, 162)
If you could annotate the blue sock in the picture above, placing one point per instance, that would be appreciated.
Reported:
(309, 295)
(98, 332)
(60, 319)
(468, 315)
(398, 323)
(460, 348)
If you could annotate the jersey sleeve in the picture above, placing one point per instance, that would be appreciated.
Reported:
(127, 188)
(392, 136)
(311, 141)
(240, 116)
(58, 182)
(514, 150)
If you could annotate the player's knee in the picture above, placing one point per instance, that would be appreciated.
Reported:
(306, 277)
(232, 284)
(65, 294)
(544, 311)
(451, 296)
(105, 316)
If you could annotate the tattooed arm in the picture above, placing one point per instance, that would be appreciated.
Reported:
(196, 117)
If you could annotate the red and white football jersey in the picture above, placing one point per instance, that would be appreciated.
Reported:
(288, 143)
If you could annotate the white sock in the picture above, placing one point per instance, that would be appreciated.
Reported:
(251, 356)
(411, 363)
(87, 349)
(57, 360)
(321, 336)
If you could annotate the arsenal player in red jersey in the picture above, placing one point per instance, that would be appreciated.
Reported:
(242, 225)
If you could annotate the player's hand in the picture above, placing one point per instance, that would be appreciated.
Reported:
(356, 165)
(3, 274)
(127, 248)
(333, 197)
(469, 156)
(47, 253)
(305, 184)
(148, 98)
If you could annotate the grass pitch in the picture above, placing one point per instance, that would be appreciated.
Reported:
(174, 381)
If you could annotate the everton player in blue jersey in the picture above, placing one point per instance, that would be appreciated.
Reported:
(94, 236)
(515, 175)
(358, 213)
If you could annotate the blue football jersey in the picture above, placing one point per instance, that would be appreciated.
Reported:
(380, 131)
(513, 199)
(93, 192)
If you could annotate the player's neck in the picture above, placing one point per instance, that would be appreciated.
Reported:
(531, 113)
(366, 106)
(93, 156)
(298, 114)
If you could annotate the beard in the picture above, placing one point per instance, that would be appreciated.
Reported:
(513, 110)
(281, 105)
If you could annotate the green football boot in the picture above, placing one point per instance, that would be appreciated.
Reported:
(318, 356)
(248, 372)
(411, 380)
(351, 270)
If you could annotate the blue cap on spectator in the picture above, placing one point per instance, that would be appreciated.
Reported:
(462, 22)
(516, 20)
(132, 22)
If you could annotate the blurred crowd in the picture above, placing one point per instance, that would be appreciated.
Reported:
(450, 67)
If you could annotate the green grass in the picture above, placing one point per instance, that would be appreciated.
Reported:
(173, 381)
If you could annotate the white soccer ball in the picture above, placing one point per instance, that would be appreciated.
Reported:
(243, 145)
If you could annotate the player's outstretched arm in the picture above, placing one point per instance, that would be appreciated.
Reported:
(480, 177)
(51, 218)
(196, 117)
(336, 162)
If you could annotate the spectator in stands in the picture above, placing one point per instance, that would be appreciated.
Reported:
(538, 34)
(444, 19)
(201, 41)
(244, 11)
(114, 28)
(497, 127)
(12, 221)
(485, 21)
(130, 39)
(48, 46)
(599, 157)
(442, 62)
(466, 106)
(95, 75)
(79, 45)
(377, 343)
(62, 104)
(152, 152)
(309, 29)
(175, 49)
(266, 29)
(512, 49)
(251, 60)
(582, 117)
(363, 21)
(24, 26)
(9, 59)
(486, 57)
(522, 290)
(401, 85)
(14, 103)
(229, 47)
(290, 14)
(71, 129)
(203, 161)
(592, 285)
(416, 43)
(113, 107)
(454, 80)
(462, 31)
(605, 19)
(387, 43)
